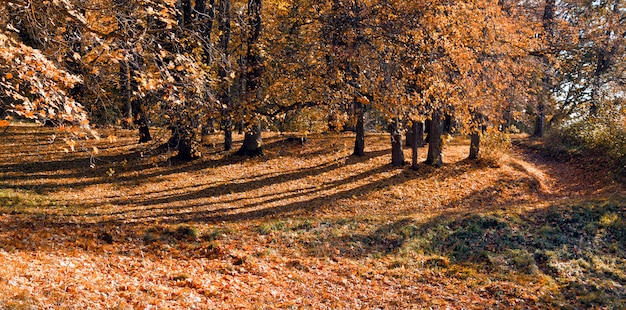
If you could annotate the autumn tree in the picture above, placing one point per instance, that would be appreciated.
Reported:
(466, 54)
(252, 90)
(35, 83)
(347, 61)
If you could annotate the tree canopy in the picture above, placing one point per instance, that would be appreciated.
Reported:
(201, 65)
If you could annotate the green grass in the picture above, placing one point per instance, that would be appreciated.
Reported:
(576, 249)
(580, 248)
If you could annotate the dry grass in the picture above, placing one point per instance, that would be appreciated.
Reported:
(303, 226)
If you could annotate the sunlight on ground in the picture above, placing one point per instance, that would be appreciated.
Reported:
(303, 225)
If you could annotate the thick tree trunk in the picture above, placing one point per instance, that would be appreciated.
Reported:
(417, 139)
(397, 155)
(410, 136)
(474, 145)
(435, 145)
(252, 143)
(415, 133)
(359, 142)
(183, 139)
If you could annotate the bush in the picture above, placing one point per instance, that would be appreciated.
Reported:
(493, 144)
(603, 136)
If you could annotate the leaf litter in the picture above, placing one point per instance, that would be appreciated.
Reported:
(305, 226)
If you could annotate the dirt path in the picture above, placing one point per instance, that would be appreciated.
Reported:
(571, 177)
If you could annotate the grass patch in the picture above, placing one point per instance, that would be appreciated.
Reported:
(15, 202)
(168, 235)
(269, 227)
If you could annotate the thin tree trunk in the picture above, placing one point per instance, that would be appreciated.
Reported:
(435, 145)
(415, 127)
(418, 129)
(548, 26)
(397, 155)
(125, 92)
(140, 118)
(223, 26)
(359, 142)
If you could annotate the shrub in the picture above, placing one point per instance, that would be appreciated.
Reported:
(602, 137)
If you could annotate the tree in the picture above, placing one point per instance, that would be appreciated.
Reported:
(224, 70)
(32, 84)
(252, 143)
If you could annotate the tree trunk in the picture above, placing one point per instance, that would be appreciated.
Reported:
(416, 127)
(223, 26)
(252, 143)
(435, 145)
(141, 121)
(125, 92)
(228, 139)
(410, 136)
(183, 139)
(474, 145)
(415, 133)
(397, 155)
(548, 26)
(359, 142)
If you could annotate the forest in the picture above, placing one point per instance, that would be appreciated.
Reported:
(312, 154)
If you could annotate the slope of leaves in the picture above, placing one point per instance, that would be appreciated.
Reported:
(304, 226)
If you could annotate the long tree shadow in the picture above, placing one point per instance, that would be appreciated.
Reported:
(248, 185)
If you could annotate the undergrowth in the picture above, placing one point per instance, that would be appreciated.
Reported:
(578, 248)
(599, 138)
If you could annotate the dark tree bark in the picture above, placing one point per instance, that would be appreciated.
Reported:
(480, 121)
(125, 93)
(397, 155)
(474, 145)
(223, 26)
(409, 137)
(252, 143)
(359, 141)
(548, 26)
(435, 144)
(188, 148)
(416, 127)
(141, 120)
(228, 138)
(254, 69)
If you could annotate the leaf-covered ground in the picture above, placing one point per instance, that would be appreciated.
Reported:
(305, 226)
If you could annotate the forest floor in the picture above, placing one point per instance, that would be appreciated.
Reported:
(304, 226)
